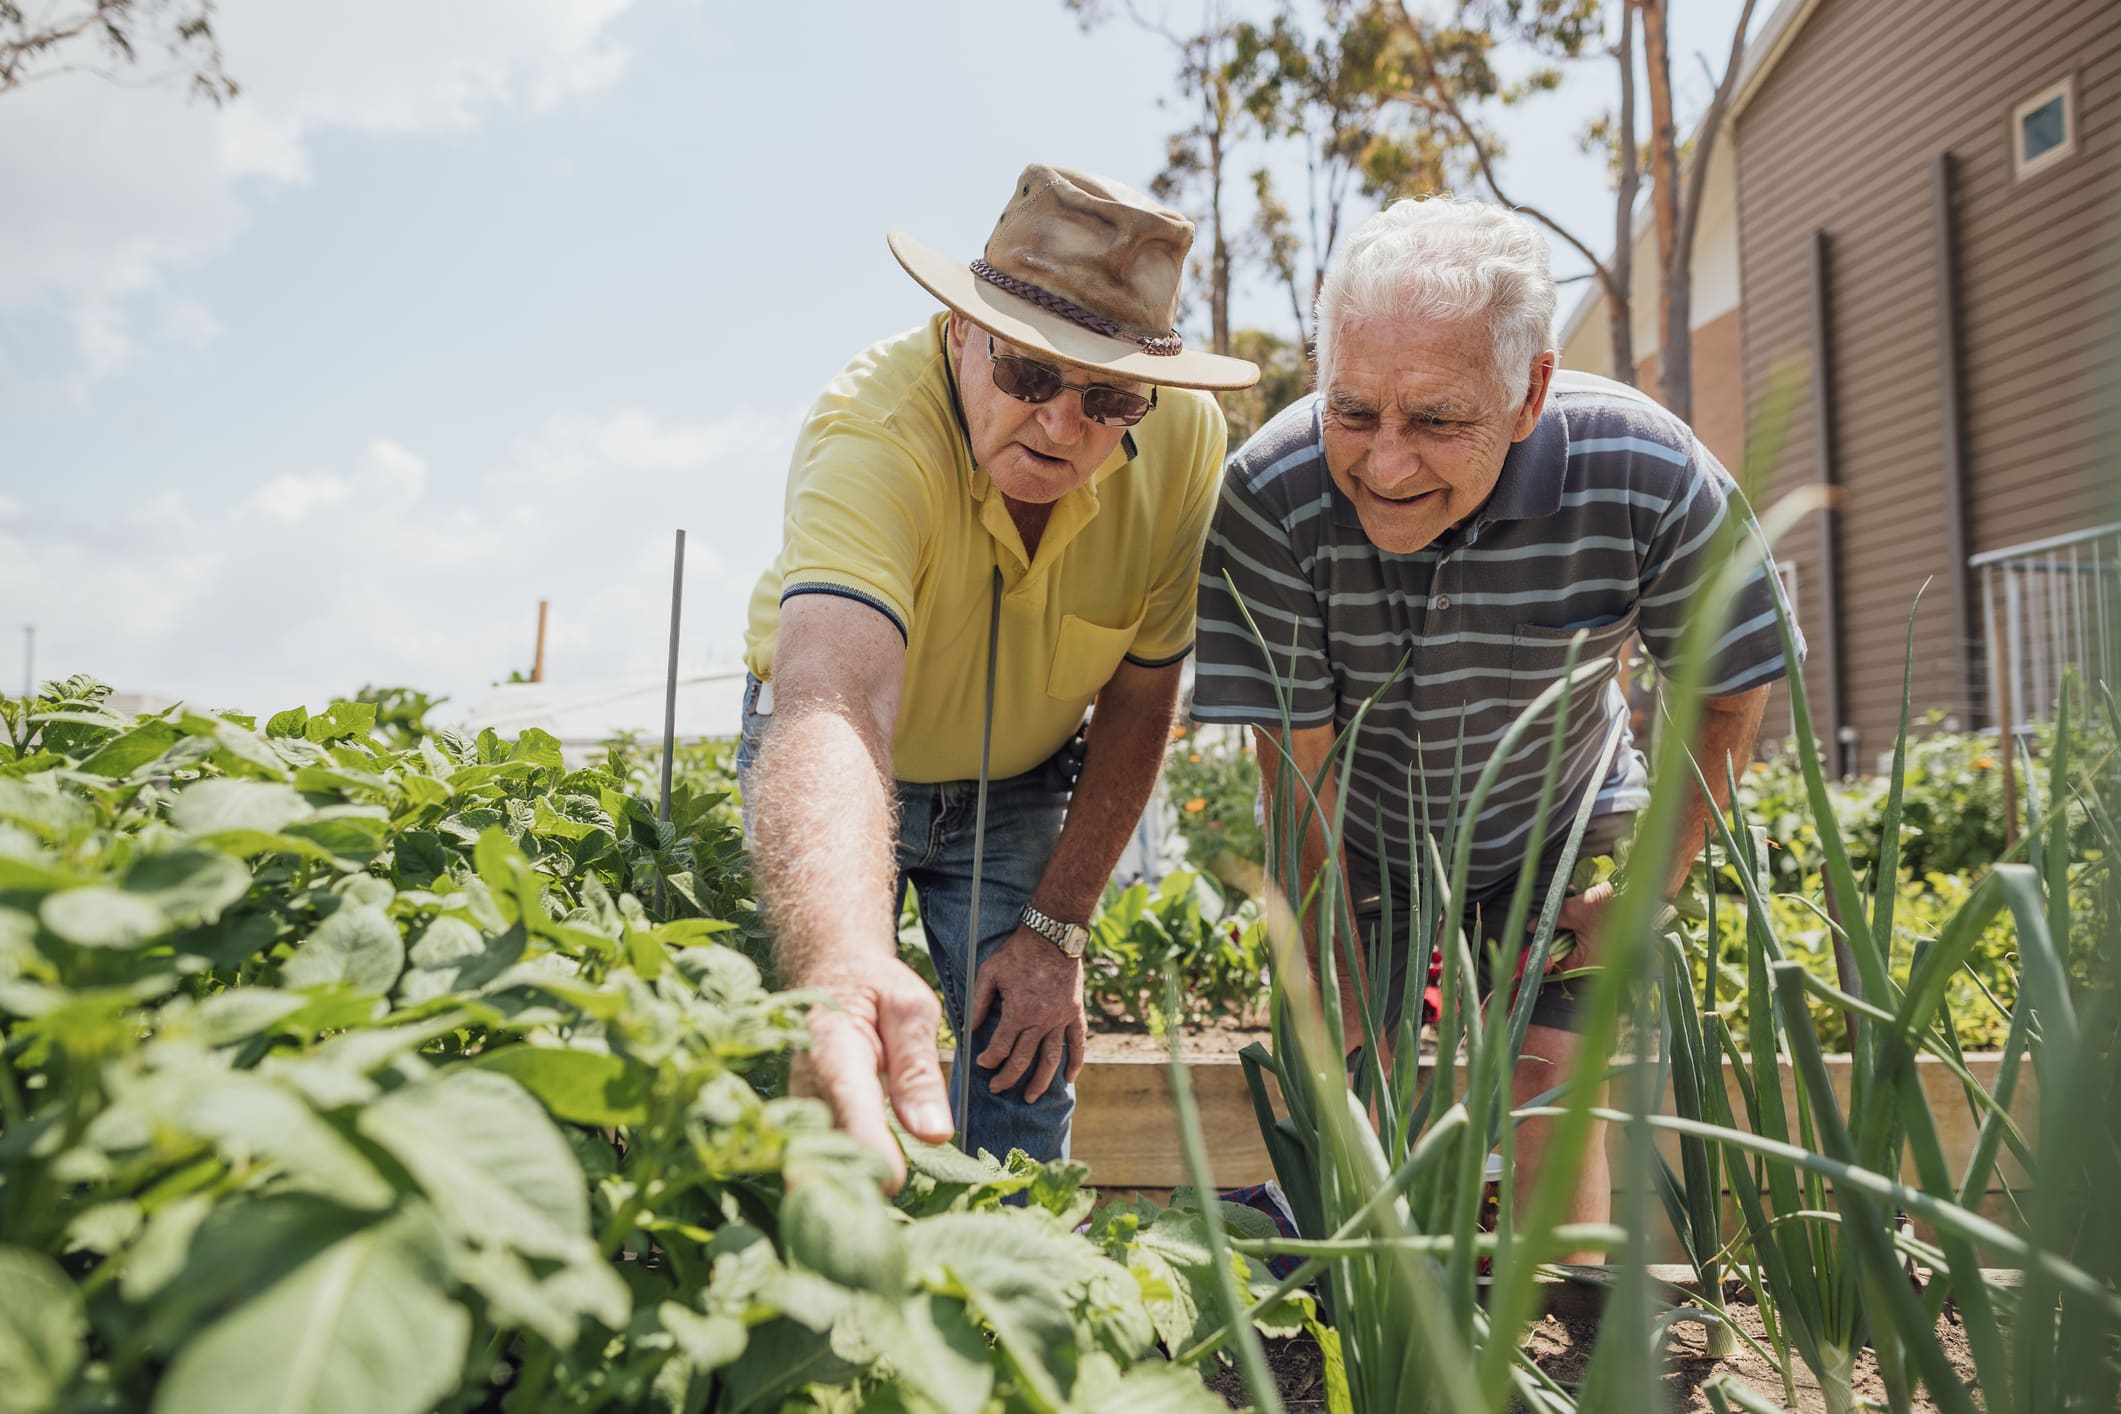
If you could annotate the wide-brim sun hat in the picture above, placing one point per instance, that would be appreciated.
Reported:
(1084, 270)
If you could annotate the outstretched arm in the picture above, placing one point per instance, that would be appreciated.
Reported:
(824, 826)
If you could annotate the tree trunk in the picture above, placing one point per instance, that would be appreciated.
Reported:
(1619, 292)
(1219, 255)
(1676, 368)
(1664, 199)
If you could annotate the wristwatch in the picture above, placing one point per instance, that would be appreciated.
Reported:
(1070, 938)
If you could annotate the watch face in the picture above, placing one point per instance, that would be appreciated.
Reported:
(1078, 937)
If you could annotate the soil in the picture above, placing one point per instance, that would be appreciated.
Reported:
(1299, 1370)
(1562, 1348)
(1115, 1038)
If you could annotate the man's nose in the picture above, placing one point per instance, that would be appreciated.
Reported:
(1394, 462)
(1062, 420)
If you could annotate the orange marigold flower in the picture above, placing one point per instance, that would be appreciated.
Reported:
(1197, 804)
(1984, 763)
(1194, 758)
(1178, 731)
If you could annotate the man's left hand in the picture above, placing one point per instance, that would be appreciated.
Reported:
(1583, 915)
(1040, 991)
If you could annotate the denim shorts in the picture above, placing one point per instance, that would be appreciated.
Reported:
(935, 829)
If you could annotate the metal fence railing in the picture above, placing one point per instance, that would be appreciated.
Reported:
(2050, 605)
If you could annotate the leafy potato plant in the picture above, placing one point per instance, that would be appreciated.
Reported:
(340, 1075)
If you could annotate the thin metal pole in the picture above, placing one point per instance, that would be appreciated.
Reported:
(2076, 614)
(670, 694)
(965, 1062)
(2057, 628)
(1995, 675)
(29, 661)
(2002, 691)
(670, 683)
(2013, 612)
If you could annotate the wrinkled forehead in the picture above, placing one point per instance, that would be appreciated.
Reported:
(1414, 364)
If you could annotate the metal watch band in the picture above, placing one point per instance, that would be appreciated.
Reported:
(1068, 937)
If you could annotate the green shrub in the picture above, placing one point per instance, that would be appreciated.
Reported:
(1211, 779)
(341, 1076)
(1181, 928)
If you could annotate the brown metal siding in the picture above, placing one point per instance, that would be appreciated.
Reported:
(1844, 134)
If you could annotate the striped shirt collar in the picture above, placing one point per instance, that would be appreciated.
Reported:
(1530, 483)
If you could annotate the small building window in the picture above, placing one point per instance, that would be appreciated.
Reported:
(2044, 129)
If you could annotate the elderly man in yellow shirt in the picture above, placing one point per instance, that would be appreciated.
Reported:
(993, 521)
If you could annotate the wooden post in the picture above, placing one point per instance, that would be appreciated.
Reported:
(1951, 385)
(537, 661)
(1827, 623)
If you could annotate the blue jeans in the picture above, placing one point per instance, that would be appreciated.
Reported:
(935, 821)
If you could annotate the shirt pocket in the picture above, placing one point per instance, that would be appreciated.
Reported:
(1086, 655)
(1538, 654)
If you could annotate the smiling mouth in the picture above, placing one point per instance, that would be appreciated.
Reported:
(1398, 500)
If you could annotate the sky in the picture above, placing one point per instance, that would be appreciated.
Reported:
(467, 303)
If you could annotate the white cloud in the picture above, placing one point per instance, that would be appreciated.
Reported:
(571, 448)
(380, 567)
(110, 189)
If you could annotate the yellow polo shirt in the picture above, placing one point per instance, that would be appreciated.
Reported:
(885, 506)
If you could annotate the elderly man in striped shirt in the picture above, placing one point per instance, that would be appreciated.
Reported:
(1448, 497)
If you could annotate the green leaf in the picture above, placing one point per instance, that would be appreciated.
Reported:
(51, 816)
(133, 750)
(352, 832)
(31, 876)
(581, 1087)
(43, 1333)
(540, 748)
(242, 1012)
(418, 858)
(357, 946)
(341, 719)
(218, 806)
(453, 956)
(706, 1343)
(515, 885)
(193, 886)
(363, 1327)
(1024, 1279)
(937, 1348)
(248, 1118)
(103, 917)
(1153, 1387)
(292, 722)
(489, 1158)
(846, 1234)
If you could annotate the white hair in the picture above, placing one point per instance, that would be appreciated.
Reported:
(1448, 259)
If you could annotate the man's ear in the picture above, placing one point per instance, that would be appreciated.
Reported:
(1535, 395)
(956, 331)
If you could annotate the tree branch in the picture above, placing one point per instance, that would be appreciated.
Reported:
(1706, 134)
(1444, 103)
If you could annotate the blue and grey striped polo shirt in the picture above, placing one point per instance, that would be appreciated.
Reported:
(1603, 519)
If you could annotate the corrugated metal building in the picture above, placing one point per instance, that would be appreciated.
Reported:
(1925, 207)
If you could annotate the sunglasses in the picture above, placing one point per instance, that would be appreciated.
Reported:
(1030, 381)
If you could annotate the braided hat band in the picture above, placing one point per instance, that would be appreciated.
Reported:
(1163, 345)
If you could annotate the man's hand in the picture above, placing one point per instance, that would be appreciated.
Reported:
(1041, 993)
(878, 1041)
(1583, 915)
